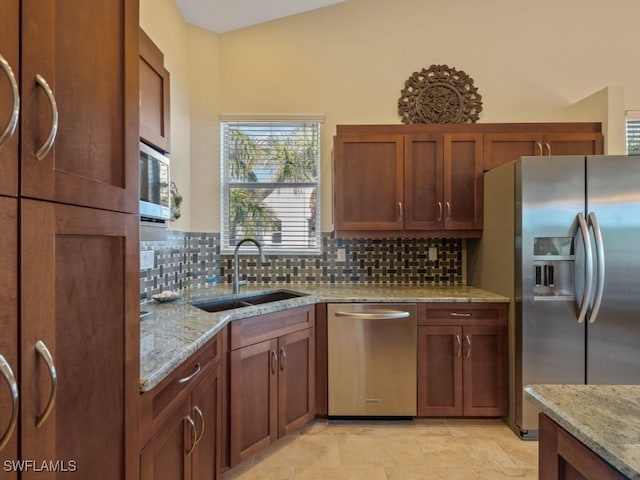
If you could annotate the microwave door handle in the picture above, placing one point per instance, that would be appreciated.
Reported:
(597, 233)
(588, 282)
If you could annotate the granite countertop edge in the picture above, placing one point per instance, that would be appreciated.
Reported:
(584, 412)
(174, 331)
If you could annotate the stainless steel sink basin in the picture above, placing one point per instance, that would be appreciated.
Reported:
(247, 301)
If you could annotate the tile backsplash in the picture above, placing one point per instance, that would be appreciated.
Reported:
(187, 259)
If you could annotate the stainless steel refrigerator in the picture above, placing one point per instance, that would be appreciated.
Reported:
(562, 240)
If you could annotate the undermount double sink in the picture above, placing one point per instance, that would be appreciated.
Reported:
(246, 301)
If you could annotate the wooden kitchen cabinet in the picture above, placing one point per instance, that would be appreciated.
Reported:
(501, 148)
(155, 108)
(9, 116)
(92, 76)
(563, 457)
(408, 183)
(272, 374)
(79, 307)
(181, 419)
(8, 330)
(462, 360)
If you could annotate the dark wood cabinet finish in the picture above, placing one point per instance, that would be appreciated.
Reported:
(563, 457)
(272, 389)
(9, 50)
(93, 75)
(462, 360)
(8, 323)
(181, 419)
(155, 108)
(79, 297)
(322, 361)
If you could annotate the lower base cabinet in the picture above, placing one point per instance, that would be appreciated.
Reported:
(184, 417)
(462, 360)
(272, 371)
(563, 457)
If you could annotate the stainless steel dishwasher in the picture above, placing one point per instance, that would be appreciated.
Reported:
(372, 359)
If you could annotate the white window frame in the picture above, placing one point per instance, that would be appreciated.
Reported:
(226, 185)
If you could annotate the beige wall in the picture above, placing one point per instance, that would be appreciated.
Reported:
(529, 60)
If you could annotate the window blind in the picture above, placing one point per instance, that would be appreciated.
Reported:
(633, 136)
(270, 184)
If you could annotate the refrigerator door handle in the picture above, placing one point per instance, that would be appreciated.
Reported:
(597, 233)
(588, 281)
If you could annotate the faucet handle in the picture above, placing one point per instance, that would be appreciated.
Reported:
(242, 282)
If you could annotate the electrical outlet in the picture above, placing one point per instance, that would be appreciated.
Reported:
(433, 253)
(147, 259)
(342, 255)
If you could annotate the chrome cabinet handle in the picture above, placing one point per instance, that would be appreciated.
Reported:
(7, 373)
(15, 108)
(439, 211)
(192, 375)
(46, 146)
(274, 362)
(468, 346)
(192, 424)
(459, 346)
(588, 283)
(540, 147)
(201, 415)
(44, 352)
(548, 148)
(283, 358)
(400, 213)
(457, 314)
(597, 233)
(448, 210)
(379, 315)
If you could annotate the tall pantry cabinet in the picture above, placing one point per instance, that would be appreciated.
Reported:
(69, 239)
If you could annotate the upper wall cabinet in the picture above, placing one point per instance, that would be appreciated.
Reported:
(154, 96)
(79, 106)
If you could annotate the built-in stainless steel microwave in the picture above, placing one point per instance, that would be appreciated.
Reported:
(155, 189)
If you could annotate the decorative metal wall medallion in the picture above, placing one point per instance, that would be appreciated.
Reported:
(440, 94)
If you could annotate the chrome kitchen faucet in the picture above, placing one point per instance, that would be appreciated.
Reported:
(236, 270)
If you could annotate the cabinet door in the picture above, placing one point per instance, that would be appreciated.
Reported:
(501, 148)
(8, 327)
(463, 182)
(296, 380)
(572, 144)
(166, 456)
(253, 399)
(9, 70)
(423, 186)
(439, 371)
(206, 412)
(485, 371)
(87, 52)
(80, 301)
(154, 95)
(368, 182)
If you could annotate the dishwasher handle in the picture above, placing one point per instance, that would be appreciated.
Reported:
(377, 315)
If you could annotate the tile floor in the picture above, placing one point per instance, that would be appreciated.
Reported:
(451, 449)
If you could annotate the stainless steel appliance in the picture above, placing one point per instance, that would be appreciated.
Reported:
(562, 239)
(372, 359)
(155, 189)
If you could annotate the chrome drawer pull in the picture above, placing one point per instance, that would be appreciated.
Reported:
(193, 374)
(380, 315)
(46, 146)
(10, 378)
(469, 345)
(44, 352)
(274, 362)
(201, 415)
(192, 425)
(456, 314)
(15, 108)
(283, 358)
(459, 346)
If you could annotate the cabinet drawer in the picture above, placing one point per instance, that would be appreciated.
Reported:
(264, 327)
(158, 403)
(462, 314)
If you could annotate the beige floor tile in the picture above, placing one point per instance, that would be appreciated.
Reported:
(522, 453)
(340, 473)
(301, 450)
(463, 451)
(262, 473)
(458, 473)
(480, 428)
(379, 450)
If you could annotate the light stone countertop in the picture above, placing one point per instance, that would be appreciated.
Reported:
(173, 331)
(606, 418)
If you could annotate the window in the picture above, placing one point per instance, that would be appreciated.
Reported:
(633, 132)
(270, 183)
